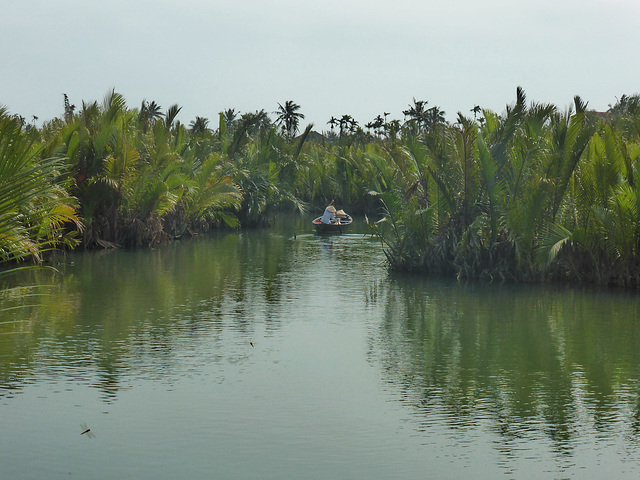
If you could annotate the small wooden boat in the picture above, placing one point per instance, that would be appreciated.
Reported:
(339, 225)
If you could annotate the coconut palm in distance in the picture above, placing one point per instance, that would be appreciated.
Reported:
(289, 117)
(230, 115)
(199, 125)
(333, 121)
(376, 125)
(149, 113)
(347, 124)
(417, 114)
(434, 116)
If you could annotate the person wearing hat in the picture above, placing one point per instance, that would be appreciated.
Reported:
(329, 214)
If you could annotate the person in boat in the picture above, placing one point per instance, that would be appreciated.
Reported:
(329, 215)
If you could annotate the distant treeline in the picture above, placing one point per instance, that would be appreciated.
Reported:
(531, 194)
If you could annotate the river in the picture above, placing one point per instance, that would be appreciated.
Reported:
(281, 354)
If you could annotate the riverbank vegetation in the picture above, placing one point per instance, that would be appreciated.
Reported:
(533, 193)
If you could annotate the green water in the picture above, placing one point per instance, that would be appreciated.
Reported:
(279, 354)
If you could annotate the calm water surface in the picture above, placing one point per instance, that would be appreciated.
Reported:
(284, 355)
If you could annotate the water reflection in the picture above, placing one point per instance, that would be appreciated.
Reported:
(274, 336)
(108, 310)
(529, 361)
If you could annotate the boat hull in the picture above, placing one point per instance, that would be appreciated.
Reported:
(341, 226)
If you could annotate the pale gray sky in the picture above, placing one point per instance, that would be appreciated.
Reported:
(332, 57)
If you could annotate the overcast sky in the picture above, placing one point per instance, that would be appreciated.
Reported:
(332, 57)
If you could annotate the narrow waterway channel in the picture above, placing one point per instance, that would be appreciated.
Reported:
(278, 353)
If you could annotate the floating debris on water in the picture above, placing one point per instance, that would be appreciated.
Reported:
(86, 430)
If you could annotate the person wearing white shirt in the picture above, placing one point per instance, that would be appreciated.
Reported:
(329, 215)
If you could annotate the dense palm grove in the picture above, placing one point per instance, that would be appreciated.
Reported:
(531, 194)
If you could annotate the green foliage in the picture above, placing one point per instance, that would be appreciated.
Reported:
(35, 207)
(529, 194)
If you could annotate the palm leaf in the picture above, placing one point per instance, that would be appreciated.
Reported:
(551, 244)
